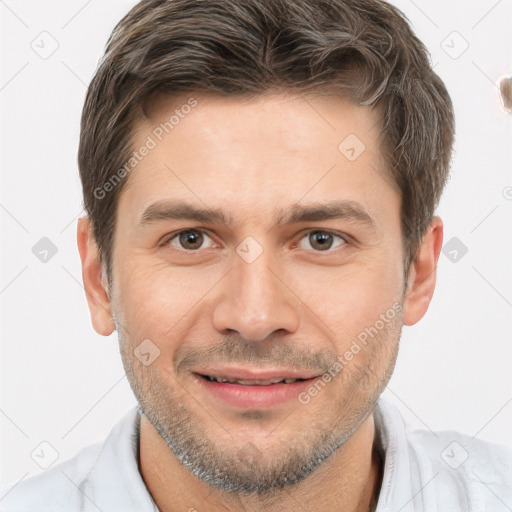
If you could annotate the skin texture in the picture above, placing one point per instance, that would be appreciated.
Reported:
(298, 305)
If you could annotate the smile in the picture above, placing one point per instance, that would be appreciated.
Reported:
(267, 382)
(243, 389)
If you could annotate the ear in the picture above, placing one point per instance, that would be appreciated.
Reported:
(421, 278)
(95, 284)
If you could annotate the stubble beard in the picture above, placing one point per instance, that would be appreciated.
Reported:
(288, 461)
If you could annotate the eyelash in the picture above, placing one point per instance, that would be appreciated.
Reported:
(343, 238)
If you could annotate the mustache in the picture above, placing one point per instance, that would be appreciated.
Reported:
(259, 354)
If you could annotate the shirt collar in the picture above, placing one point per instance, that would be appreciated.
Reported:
(391, 439)
(115, 482)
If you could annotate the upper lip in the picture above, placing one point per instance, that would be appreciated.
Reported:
(234, 373)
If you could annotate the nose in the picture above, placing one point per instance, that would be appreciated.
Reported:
(255, 301)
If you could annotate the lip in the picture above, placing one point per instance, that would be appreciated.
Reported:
(257, 374)
(254, 396)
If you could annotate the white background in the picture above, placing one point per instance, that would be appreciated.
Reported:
(64, 384)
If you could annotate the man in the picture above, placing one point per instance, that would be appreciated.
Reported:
(261, 178)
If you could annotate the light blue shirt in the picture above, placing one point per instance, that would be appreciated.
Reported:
(423, 471)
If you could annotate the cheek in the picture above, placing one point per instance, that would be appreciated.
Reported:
(350, 299)
(156, 299)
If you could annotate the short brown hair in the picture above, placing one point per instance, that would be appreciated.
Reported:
(364, 50)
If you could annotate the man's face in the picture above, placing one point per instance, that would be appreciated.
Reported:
(273, 290)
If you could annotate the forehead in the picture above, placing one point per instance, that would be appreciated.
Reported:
(265, 152)
(284, 121)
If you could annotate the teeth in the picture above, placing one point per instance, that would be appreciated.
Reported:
(267, 382)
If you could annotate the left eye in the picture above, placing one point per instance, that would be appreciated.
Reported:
(322, 240)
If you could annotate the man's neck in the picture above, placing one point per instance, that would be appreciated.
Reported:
(349, 480)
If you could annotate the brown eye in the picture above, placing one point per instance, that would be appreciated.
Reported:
(189, 240)
(322, 240)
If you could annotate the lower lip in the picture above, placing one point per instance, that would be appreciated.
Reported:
(238, 395)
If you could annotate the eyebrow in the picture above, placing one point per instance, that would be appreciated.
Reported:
(167, 210)
(338, 209)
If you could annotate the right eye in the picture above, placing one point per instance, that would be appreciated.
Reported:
(188, 240)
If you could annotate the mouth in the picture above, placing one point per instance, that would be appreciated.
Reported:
(255, 390)
(245, 382)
